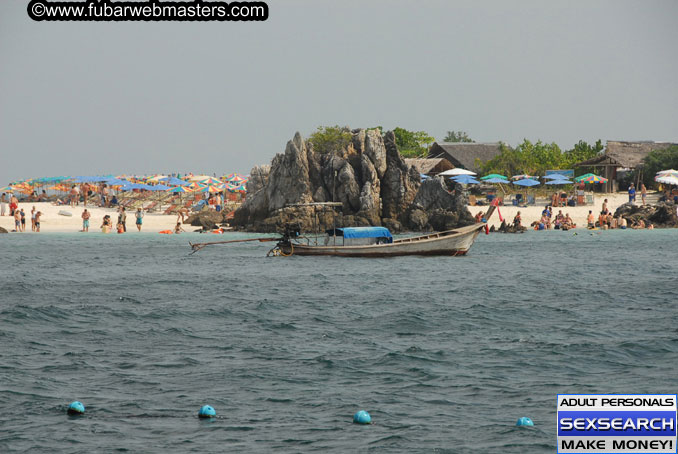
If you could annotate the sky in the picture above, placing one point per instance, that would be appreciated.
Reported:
(80, 98)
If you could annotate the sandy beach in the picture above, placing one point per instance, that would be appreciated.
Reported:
(578, 214)
(52, 221)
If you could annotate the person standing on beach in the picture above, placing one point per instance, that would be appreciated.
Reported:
(632, 194)
(122, 219)
(13, 204)
(37, 221)
(590, 220)
(3, 204)
(23, 220)
(85, 220)
(33, 219)
(140, 216)
(17, 221)
(604, 209)
(643, 192)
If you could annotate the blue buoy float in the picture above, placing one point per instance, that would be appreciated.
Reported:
(362, 417)
(76, 408)
(206, 411)
(524, 422)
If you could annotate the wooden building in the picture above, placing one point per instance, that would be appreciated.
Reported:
(622, 156)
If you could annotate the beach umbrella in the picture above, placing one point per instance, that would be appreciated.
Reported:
(523, 176)
(174, 181)
(211, 188)
(581, 177)
(593, 179)
(526, 182)
(465, 179)
(494, 176)
(667, 173)
(210, 180)
(558, 181)
(668, 180)
(495, 180)
(157, 178)
(181, 189)
(159, 187)
(456, 171)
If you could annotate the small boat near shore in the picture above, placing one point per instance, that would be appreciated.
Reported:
(369, 242)
(378, 242)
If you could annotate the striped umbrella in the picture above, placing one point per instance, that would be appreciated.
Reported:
(593, 179)
(210, 181)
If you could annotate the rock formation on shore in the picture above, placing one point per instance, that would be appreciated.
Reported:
(2, 230)
(662, 215)
(368, 177)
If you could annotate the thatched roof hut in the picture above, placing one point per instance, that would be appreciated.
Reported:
(465, 154)
(430, 166)
(622, 155)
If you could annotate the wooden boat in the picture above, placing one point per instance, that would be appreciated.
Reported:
(369, 242)
(341, 243)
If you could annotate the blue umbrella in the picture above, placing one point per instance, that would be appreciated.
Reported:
(160, 187)
(559, 181)
(526, 182)
(175, 181)
(496, 180)
(465, 179)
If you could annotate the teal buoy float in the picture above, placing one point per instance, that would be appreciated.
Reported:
(206, 412)
(76, 408)
(362, 417)
(524, 422)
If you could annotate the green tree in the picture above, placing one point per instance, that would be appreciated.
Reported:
(537, 158)
(527, 157)
(582, 151)
(327, 139)
(412, 144)
(457, 136)
(659, 160)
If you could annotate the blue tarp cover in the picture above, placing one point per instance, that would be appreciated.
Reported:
(365, 232)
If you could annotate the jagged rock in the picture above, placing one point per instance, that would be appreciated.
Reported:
(509, 228)
(3, 230)
(445, 220)
(288, 181)
(418, 219)
(258, 178)
(662, 215)
(371, 145)
(393, 225)
(400, 182)
(205, 218)
(433, 195)
(369, 177)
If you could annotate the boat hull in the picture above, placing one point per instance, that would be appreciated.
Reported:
(450, 243)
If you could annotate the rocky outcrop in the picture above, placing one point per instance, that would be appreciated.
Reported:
(662, 215)
(368, 177)
(509, 228)
(206, 218)
(2, 230)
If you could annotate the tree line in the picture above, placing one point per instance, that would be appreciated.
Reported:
(527, 157)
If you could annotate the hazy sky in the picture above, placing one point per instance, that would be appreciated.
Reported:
(81, 98)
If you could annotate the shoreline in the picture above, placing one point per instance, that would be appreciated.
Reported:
(52, 222)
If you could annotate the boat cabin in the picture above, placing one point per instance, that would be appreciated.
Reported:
(358, 236)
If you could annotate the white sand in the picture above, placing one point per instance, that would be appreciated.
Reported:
(578, 214)
(51, 221)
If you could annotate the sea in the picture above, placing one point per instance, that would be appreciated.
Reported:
(445, 353)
